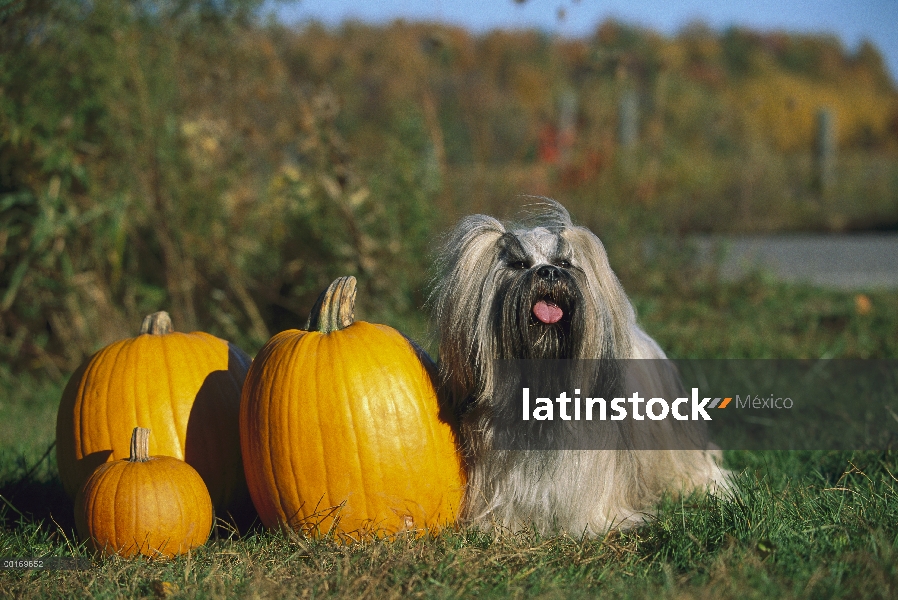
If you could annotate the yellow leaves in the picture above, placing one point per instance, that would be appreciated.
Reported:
(290, 173)
(164, 589)
(672, 55)
(784, 107)
(204, 138)
(530, 84)
(358, 197)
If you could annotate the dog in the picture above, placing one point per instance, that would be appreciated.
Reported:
(544, 290)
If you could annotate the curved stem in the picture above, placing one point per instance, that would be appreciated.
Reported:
(335, 307)
(140, 445)
(158, 323)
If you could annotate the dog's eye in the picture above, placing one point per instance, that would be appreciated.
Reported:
(520, 265)
(563, 263)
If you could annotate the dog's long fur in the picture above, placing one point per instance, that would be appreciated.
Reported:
(489, 276)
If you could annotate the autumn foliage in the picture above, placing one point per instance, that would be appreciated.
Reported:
(195, 158)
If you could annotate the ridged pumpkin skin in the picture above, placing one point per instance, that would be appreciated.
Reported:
(347, 419)
(158, 506)
(184, 386)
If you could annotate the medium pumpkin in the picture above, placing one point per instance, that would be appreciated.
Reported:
(150, 505)
(339, 428)
(185, 387)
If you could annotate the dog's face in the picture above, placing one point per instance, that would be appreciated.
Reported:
(544, 290)
(538, 305)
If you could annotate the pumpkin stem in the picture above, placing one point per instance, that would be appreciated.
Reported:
(140, 445)
(158, 323)
(335, 307)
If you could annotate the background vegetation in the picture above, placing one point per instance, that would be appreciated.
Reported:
(183, 155)
(188, 156)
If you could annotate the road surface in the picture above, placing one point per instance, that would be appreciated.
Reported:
(850, 262)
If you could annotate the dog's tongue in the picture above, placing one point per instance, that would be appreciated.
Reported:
(547, 312)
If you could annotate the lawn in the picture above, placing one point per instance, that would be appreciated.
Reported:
(800, 524)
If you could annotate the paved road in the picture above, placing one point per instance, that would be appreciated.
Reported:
(855, 262)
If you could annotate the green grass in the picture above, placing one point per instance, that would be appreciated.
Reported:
(800, 524)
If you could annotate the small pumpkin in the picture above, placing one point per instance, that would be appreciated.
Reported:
(184, 386)
(150, 505)
(340, 428)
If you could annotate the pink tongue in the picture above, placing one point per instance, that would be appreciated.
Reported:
(547, 312)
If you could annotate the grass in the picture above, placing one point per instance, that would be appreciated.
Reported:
(800, 525)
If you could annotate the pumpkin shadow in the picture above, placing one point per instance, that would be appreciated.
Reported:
(88, 464)
(210, 449)
(37, 497)
(447, 413)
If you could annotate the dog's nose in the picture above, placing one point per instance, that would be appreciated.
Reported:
(549, 273)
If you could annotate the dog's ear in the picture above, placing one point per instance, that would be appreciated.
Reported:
(465, 260)
(614, 317)
(460, 305)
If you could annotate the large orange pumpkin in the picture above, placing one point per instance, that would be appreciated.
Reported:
(150, 505)
(184, 386)
(340, 429)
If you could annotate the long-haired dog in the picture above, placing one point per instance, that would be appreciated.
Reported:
(545, 290)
